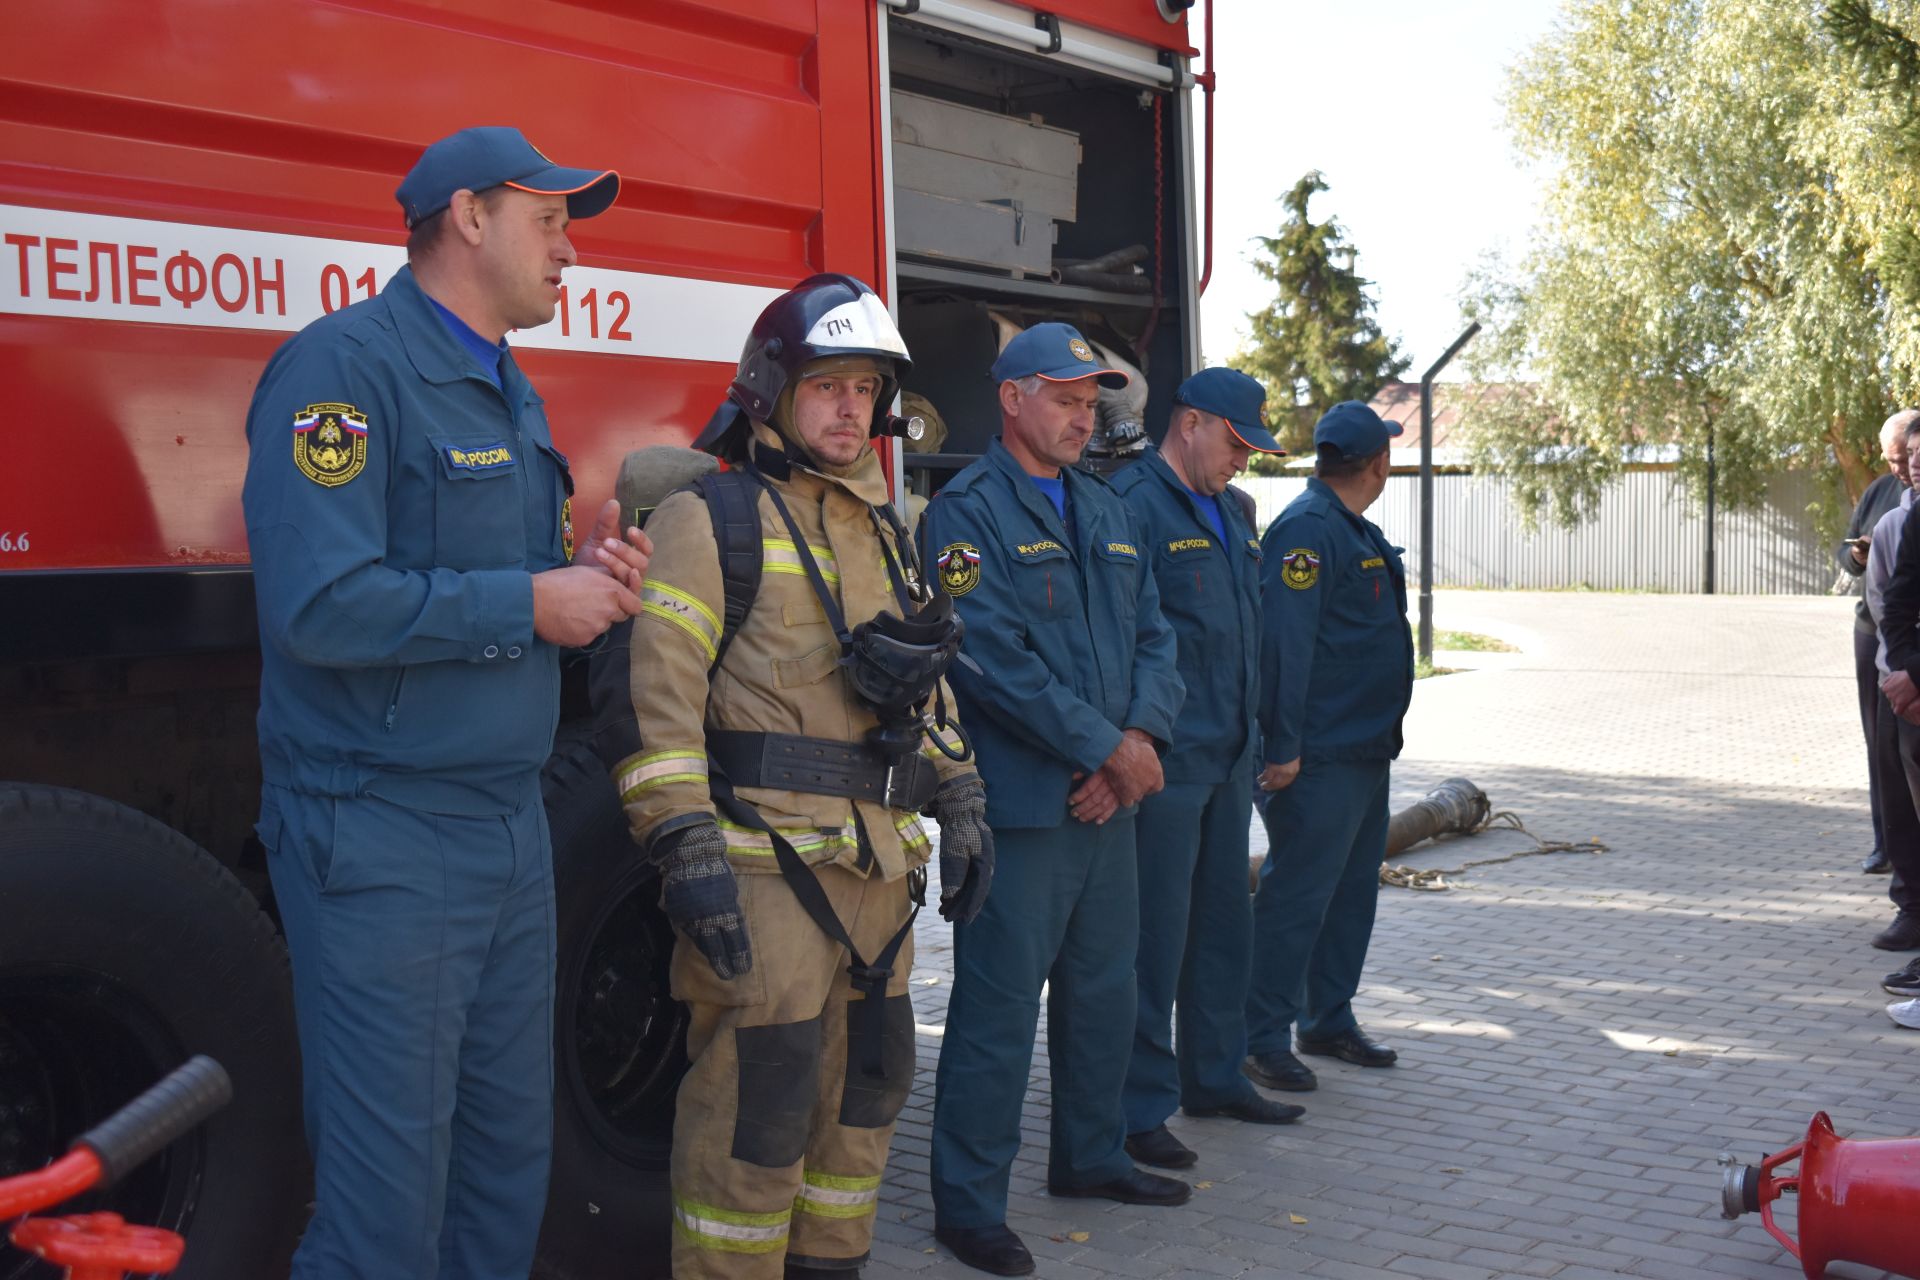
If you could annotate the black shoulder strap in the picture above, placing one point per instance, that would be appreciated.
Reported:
(733, 500)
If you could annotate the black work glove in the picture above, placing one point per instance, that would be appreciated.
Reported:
(966, 847)
(701, 899)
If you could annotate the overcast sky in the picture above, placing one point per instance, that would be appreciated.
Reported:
(1397, 102)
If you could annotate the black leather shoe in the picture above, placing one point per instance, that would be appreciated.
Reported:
(1254, 1109)
(994, 1249)
(1876, 863)
(1902, 935)
(1279, 1070)
(1353, 1046)
(1136, 1186)
(1159, 1148)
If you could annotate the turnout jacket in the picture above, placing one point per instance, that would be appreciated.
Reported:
(1067, 643)
(1336, 654)
(1209, 588)
(780, 674)
(397, 503)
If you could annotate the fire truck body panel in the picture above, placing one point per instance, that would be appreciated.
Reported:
(183, 184)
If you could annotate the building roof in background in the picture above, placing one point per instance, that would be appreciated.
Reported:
(1400, 402)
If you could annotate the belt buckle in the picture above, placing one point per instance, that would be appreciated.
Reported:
(899, 789)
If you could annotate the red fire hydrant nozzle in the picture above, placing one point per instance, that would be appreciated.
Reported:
(1858, 1199)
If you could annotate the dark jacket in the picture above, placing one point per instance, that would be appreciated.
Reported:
(395, 593)
(1209, 588)
(1880, 497)
(1337, 656)
(1065, 645)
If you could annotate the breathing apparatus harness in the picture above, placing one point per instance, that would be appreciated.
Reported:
(894, 663)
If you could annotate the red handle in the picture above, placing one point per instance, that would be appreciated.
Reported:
(99, 1244)
(64, 1179)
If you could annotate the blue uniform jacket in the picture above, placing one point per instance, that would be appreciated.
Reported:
(1065, 644)
(397, 503)
(1210, 592)
(1336, 654)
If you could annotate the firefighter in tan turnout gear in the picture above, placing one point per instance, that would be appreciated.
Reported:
(794, 724)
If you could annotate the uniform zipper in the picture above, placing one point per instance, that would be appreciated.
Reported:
(393, 699)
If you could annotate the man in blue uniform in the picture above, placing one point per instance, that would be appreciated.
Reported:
(1196, 923)
(1069, 683)
(411, 530)
(1337, 667)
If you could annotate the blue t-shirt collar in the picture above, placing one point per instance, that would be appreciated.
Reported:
(486, 354)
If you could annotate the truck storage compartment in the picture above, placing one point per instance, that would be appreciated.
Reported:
(1026, 189)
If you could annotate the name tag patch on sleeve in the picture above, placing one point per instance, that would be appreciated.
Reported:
(330, 443)
(1374, 562)
(1123, 549)
(487, 457)
(1181, 544)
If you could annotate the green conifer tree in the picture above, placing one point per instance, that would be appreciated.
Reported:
(1317, 342)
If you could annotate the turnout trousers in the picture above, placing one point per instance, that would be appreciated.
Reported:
(423, 953)
(1063, 913)
(1313, 913)
(1196, 942)
(780, 1134)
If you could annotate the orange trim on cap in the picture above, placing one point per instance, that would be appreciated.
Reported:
(1278, 453)
(521, 186)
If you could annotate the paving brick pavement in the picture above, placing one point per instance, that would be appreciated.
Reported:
(1580, 1035)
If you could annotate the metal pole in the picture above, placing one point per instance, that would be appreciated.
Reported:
(1426, 489)
(1711, 478)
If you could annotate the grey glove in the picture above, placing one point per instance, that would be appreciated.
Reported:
(966, 847)
(701, 899)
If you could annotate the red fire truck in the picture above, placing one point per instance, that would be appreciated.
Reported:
(183, 183)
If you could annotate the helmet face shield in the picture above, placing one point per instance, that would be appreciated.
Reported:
(859, 326)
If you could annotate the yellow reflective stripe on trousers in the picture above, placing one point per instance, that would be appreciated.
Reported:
(779, 555)
(729, 1230)
(749, 843)
(637, 774)
(827, 1195)
(683, 610)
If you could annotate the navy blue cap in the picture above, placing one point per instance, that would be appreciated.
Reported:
(1354, 429)
(492, 156)
(1235, 399)
(1056, 352)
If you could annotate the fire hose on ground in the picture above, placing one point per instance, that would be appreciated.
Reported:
(1454, 808)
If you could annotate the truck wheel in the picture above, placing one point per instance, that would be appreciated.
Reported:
(619, 1036)
(125, 948)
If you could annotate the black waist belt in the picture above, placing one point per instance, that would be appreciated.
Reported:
(822, 766)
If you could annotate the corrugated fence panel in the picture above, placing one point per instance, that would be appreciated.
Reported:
(1644, 535)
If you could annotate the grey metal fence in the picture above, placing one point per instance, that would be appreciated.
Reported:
(1645, 536)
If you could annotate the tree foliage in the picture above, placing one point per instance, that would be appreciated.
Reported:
(1317, 342)
(1721, 259)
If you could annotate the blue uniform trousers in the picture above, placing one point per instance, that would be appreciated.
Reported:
(1196, 942)
(1064, 911)
(423, 954)
(1313, 914)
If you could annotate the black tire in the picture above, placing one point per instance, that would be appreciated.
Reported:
(619, 1037)
(125, 948)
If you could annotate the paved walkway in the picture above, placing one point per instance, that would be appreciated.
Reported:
(1580, 1035)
